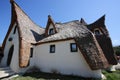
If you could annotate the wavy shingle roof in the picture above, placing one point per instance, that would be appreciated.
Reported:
(85, 40)
(29, 33)
(29, 30)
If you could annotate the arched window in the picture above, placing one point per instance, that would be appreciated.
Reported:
(51, 31)
(10, 54)
(97, 32)
(15, 29)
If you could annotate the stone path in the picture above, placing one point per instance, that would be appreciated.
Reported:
(6, 73)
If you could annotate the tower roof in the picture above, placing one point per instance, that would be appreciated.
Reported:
(28, 29)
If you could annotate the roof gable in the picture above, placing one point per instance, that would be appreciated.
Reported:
(50, 22)
(28, 29)
(82, 21)
(98, 23)
(103, 38)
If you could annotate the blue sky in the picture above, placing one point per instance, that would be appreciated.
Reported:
(64, 11)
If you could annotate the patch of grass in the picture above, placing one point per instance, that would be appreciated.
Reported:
(112, 75)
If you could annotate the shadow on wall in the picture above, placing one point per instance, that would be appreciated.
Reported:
(37, 36)
(1, 53)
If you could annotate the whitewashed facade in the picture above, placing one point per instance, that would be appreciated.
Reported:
(26, 45)
(63, 61)
(14, 63)
(14, 57)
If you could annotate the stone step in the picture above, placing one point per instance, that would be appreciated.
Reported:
(6, 72)
(5, 75)
(9, 78)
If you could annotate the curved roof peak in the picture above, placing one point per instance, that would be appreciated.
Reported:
(11, 1)
(28, 29)
(82, 21)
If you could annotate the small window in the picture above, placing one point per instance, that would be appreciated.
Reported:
(31, 52)
(51, 31)
(10, 39)
(52, 48)
(97, 32)
(15, 30)
(73, 47)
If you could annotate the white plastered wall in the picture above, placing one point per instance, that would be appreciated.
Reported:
(15, 41)
(14, 65)
(63, 60)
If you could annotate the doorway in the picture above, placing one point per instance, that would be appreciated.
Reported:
(10, 53)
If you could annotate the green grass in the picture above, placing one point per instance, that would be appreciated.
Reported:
(46, 76)
(112, 75)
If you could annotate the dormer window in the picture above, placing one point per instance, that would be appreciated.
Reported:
(51, 31)
(97, 32)
(50, 27)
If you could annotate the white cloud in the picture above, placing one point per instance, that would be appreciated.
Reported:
(116, 42)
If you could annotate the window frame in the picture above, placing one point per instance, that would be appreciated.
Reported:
(51, 49)
(99, 31)
(71, 47)
(15, 29)
(51, 31)
(10, 39)
(31, 52)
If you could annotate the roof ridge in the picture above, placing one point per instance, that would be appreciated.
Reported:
(69, 22)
